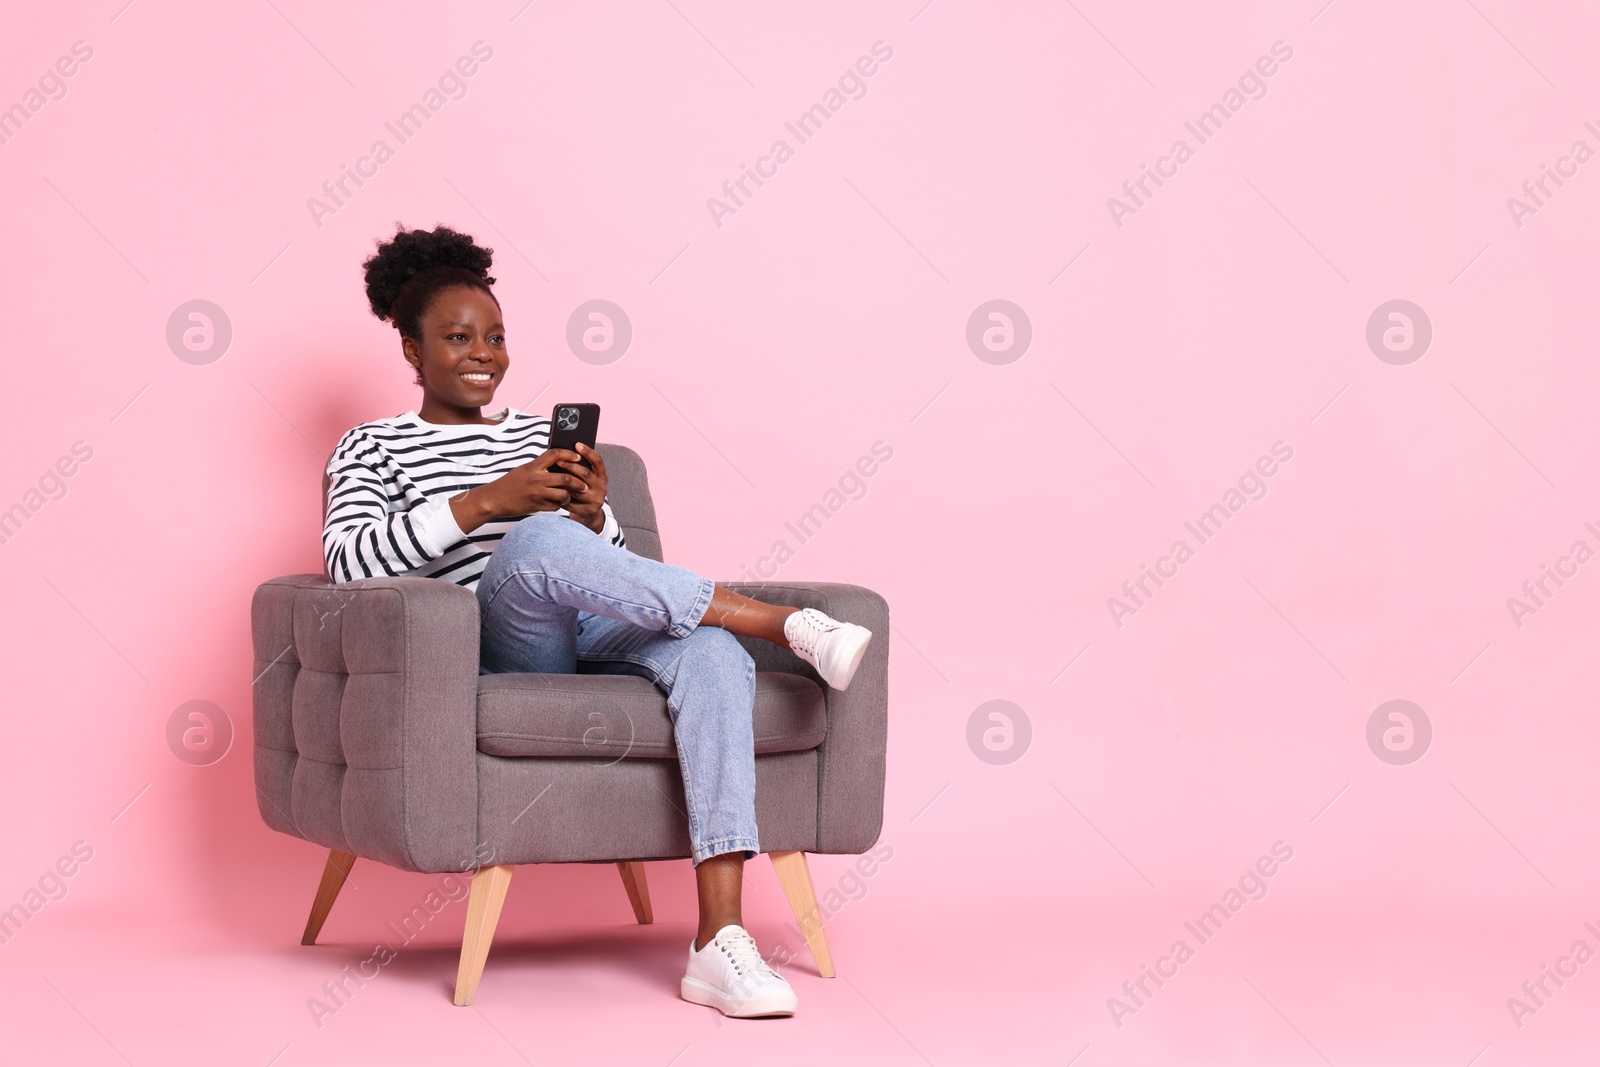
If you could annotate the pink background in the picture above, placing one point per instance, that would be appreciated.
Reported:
(769, 353)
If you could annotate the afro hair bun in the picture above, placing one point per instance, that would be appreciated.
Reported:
(411, 252)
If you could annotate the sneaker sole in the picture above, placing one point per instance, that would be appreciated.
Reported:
(845, 671)
(697, 992)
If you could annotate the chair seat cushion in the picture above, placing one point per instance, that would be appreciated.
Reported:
(607, 717)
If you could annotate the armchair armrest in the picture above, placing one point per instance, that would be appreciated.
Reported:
(850, 775)
(365, 715)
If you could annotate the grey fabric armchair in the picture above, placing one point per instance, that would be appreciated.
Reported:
(375, 736)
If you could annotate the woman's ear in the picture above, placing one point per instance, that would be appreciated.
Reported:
(413, 353)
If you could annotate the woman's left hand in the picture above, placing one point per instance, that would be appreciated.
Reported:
(584, 504)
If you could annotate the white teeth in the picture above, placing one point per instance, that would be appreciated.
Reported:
(477, 377)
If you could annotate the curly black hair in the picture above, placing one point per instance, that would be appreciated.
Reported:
(414, 266)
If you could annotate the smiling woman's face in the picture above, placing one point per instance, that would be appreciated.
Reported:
(461, 354)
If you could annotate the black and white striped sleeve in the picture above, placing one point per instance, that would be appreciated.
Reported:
(612, 530)
(361, 537)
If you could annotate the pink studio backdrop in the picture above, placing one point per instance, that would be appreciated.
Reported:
(1156, 750)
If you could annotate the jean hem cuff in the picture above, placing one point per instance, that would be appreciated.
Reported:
(748, 845)
(685, 626)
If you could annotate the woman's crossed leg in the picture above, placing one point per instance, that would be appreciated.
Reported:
(556, 599)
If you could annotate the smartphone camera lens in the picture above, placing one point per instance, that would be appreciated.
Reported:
(566, 418)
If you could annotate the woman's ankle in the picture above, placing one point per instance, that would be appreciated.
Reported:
(747, 617)
(703, 936)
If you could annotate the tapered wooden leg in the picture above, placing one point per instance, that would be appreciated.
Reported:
(794, 874)
(638, 890)
(489, 885)
(334, 873)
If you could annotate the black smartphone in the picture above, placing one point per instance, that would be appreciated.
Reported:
(571, 423)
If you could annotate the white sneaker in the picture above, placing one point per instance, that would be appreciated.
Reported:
(730, 975)
(834, 648)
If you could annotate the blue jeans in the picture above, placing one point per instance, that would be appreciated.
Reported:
(556, 599)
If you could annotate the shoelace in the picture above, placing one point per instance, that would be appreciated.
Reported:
(809, 630)
(741, 950)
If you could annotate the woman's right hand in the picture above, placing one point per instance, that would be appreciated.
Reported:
(520, 491)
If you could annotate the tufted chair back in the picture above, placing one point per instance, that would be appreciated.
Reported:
(356, 682)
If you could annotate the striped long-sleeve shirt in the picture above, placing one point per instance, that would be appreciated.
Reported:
(390, 485)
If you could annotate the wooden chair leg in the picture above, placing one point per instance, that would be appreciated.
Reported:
(794, 874)
(489, 885)
(633, 880)
(334, 873)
